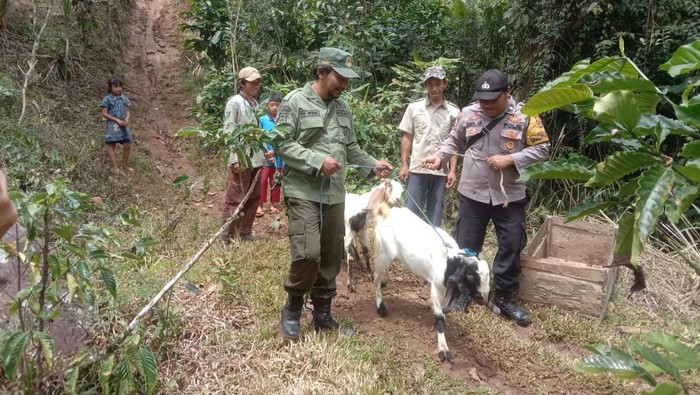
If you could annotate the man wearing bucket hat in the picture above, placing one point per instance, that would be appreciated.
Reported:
(425, 124)
(240, 109)
(314, 136)
(498, 142)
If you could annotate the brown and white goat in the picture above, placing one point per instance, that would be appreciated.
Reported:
(455, 279)
(358, 215)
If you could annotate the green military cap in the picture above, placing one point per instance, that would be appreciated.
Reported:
(337, 59)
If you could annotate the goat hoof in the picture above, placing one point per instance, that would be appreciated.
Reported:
(381, 310)
(445, 356)
(351, 286)
(384, 284)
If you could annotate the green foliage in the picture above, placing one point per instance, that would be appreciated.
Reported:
(76, 258)
(662, 354)
(119, 372)
(28, 162)
(13, 352)
(625, 108)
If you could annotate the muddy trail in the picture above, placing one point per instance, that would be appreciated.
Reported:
(155, 86)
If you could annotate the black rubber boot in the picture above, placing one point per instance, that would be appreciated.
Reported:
(503, 303)
(291, 314)
(323, 320)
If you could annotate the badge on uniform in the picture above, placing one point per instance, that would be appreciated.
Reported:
(513, 118)
(472, 131)
(474, 117)
(510, 145)
(511, 134)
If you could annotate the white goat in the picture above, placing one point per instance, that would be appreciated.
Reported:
(455, 279)
(358, 212)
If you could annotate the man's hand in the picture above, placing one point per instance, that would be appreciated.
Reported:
(382, 168)
(270, 155)
(499, 162)
(451, 179)
(403, 172)
(432, 162)
(330, 166)
(236, 167)
(120, 122)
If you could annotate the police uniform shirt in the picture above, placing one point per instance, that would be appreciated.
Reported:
(518, 135)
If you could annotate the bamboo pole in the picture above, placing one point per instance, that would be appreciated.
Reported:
(194, 259)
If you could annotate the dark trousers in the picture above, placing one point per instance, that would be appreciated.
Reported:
(509, 222)
(426, 192)
(316, 234)
(237, 185)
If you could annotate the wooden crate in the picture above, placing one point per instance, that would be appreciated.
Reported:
(564, 265)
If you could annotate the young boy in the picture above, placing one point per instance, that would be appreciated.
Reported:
(273, 163)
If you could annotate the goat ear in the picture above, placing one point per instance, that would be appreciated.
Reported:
(375, 198)
(452, 293)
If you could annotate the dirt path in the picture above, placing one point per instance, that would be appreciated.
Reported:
(155, 86)
(160, 109)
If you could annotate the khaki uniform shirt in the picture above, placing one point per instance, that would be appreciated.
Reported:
(523, 137)
(239, 111)
(308, 131)
(429, 126)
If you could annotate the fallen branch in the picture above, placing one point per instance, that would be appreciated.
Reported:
(195, 258)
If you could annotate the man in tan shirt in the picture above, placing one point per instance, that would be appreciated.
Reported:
(425, 124)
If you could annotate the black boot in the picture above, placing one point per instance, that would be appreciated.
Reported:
(323, 318)
(291, 314)
(504, 302)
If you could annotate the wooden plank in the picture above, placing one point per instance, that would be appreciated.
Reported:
(537, 247)
(581, 246)
(566, 268)
(548, 244)
(566, 292)
(602, 229)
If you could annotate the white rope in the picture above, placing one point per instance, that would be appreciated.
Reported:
(503, 189)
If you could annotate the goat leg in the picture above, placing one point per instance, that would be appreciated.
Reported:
(443, 352)
(365, 252)
(437, 298)
(352, 257)
(350, 283)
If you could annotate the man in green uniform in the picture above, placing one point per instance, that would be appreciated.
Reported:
(315, 138)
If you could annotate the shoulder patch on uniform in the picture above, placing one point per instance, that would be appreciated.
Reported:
(284, 113)
(535, 133)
